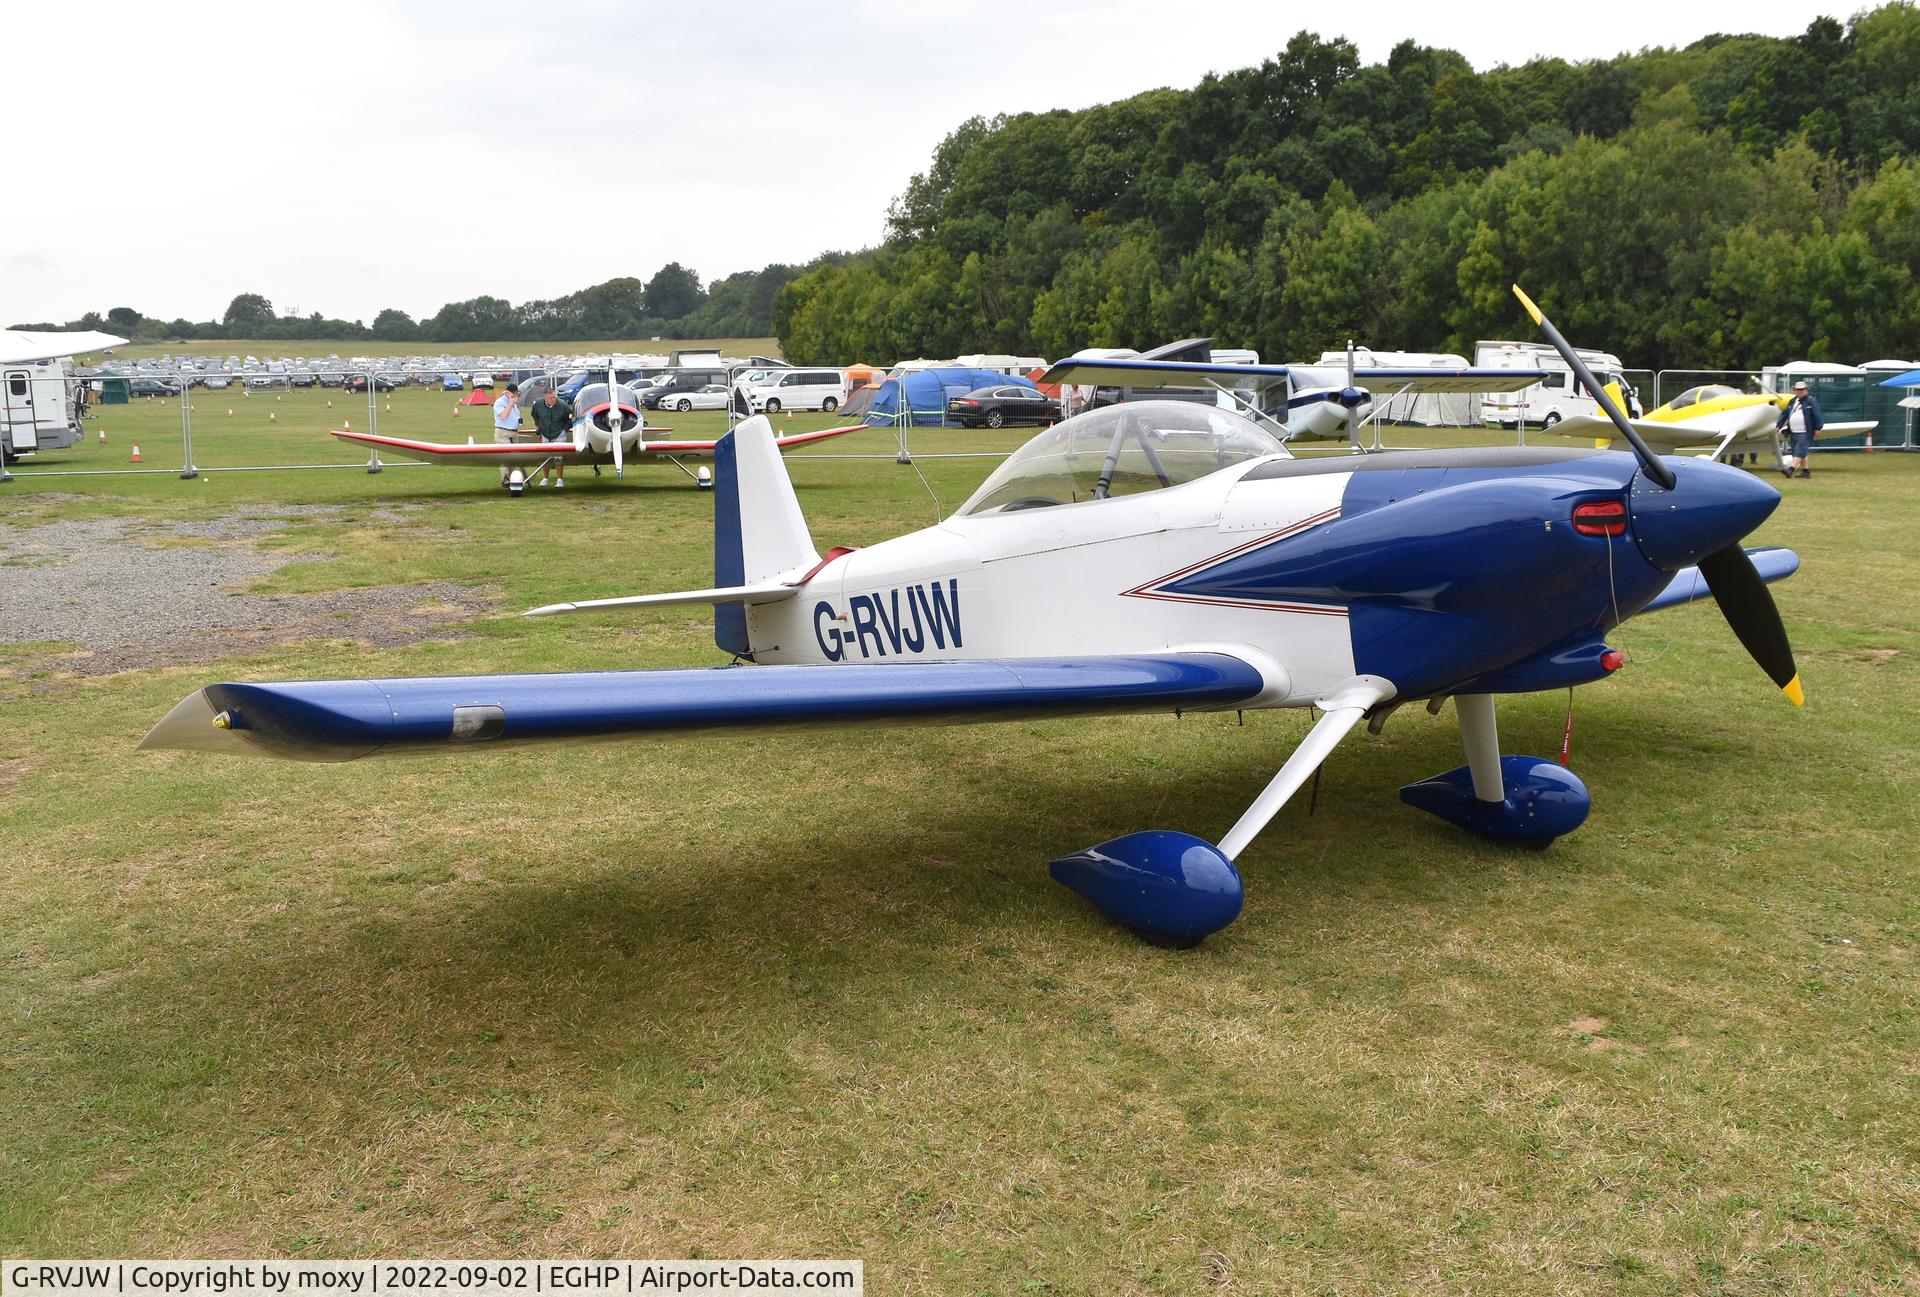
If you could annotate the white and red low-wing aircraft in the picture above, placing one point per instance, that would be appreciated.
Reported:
(1153, 556)
(608, 428)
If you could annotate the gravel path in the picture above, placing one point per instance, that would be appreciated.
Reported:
(130, 596)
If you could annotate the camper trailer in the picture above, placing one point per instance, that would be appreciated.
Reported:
(1557, 397)
(40, 407)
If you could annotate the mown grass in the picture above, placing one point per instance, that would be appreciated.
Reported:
(813, 993)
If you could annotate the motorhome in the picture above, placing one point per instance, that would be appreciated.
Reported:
(41, 403)
(1557, 397)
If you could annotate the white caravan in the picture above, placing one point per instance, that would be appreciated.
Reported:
(1556, 397)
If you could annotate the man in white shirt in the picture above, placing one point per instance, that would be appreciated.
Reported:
(506, 421)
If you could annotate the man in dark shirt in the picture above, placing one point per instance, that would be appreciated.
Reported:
(552, 419)
(1800, 420)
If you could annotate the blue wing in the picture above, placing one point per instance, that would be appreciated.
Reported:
(341, 720)
(1773, 562)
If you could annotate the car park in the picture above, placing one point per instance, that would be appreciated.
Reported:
(995, 407)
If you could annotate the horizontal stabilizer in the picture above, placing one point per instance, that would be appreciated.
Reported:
(764, 592)
(1773, 562)
(341, 720)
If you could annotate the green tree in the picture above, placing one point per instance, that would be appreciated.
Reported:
(673, 291)
(248, 316)
(394, 325)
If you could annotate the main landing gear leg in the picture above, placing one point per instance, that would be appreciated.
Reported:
(1529, 801)
(1174, 889)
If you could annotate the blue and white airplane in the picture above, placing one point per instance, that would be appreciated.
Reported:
(1317, 402)
(1147, 557)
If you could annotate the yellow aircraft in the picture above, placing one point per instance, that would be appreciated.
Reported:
(1714, 421)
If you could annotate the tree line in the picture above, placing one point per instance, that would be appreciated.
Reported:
(671, 304)
(1743, 200)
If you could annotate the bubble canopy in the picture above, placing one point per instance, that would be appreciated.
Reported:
(1120, 450)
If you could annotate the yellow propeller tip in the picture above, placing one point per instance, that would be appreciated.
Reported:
(1795, 694)
(1527, 302)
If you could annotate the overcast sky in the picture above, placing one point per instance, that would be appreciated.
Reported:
(345, 157)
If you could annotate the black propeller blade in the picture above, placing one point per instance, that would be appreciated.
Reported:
(1650, 463)
(1748, 607)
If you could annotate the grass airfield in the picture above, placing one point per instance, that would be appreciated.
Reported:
(814, 994)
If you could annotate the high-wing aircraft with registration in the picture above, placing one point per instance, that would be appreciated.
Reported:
(1320, 401)
(609, 427)
(1152, 556)
(1712, 420)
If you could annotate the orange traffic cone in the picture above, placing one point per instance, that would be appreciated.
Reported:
(329, 405)
(272, 417)
(346, 425)
(136, 453)
(456, 412)
(229, 411)
(103, 434)
(389, 407)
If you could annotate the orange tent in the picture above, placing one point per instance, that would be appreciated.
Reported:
(478, 396)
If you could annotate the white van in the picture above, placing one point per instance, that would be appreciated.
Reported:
(799, 389)
(1556, 397)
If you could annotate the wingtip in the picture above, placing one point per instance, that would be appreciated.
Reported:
(1527, 302)
(1795, 694)
(550, 609)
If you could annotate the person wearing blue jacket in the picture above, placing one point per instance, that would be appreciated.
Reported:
(1801, 421)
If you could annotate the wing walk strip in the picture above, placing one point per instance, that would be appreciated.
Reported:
(1152, 589)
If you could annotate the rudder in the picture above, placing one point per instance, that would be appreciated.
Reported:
(758, 529)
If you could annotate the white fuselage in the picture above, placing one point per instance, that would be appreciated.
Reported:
(1032, 583)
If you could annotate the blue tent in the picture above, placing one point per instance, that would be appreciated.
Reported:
(1909, 379)
(918, 398)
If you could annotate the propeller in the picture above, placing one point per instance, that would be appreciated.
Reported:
(1749, 609)
(1650, 463)
(1731, 577)
(614, 422)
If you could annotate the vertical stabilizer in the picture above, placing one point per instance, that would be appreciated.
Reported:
(758, 530)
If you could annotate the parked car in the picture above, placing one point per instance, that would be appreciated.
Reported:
(483, 379)
(711, 397)
(215, 382)
(381, 383)
(332, 378)
(995, 407)
(452, 382)
(800, 389)
(302, 378)
(152, 387)
(676, 381)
